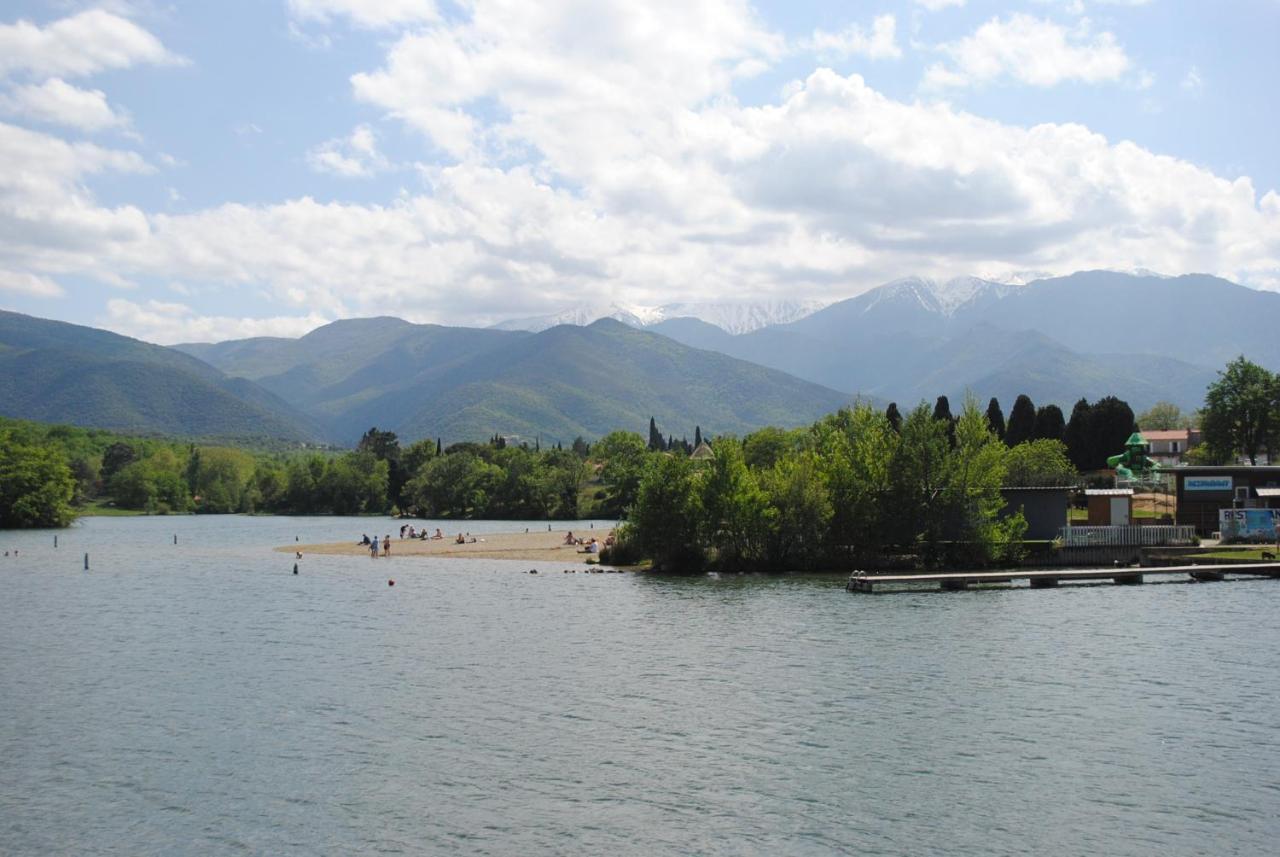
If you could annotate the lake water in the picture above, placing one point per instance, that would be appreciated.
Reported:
(200, 699)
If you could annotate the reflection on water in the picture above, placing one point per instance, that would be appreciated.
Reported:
(199, 698)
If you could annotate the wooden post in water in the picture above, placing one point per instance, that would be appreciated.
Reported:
(175, 538)
(55, 541)
(86, 562)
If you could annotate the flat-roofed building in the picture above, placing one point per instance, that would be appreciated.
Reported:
(1203, 491)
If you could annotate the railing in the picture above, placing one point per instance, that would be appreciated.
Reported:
(1143, 536)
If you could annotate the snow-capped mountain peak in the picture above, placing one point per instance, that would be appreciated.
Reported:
(732, 317)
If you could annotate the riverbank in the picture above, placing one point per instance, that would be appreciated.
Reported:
(539, 546)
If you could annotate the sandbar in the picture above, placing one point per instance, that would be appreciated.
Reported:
(534, 547)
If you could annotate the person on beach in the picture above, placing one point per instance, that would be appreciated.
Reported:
(373, 549)
(364, 539)
(438, 535)
(568, 538)
(459, 540)
(386, 545)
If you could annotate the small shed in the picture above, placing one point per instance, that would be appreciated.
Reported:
(1044, 507)
(1110, 507)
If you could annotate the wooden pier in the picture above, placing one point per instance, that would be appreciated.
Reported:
(861, 581)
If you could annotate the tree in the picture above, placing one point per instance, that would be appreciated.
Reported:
(1242, 410)
(666, 520)
(116, 456)
(36, 486)
(917, 473)
(1039, 463)
(970, 501)
(656, 441)
(799, 511)
(697, 436)
(1022, 422)
(1110, 424)
(942, 411)
(995, 417)
(766, 447)
(1162, 416)
(1050, 424)
(735, 510)
(894, 418)
(624, 455)
(1076, 436)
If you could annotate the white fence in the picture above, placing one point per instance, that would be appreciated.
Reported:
(1152, 536)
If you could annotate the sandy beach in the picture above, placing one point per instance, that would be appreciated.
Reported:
(535, 547)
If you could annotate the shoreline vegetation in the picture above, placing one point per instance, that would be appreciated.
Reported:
(859, 488)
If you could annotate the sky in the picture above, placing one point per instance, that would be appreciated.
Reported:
(195, 171)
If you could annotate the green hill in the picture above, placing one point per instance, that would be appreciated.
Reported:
(56, 372)
(464, 383)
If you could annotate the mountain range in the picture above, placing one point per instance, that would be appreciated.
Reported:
(464, 383)
(1141, 337)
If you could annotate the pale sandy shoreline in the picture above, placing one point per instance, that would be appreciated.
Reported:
(534, 547)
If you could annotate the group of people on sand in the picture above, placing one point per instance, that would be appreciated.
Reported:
(373, 545)
(588, 546)
(409, 531)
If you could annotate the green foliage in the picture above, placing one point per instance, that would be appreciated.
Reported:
(1162, 416)
(668, 511)
(1050, 424)
(1022, 422)
(624, 457)
(36, 485)
(1241, 413)
(1039, 463)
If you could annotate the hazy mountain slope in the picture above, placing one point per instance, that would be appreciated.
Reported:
(988, 361)
(56, 372)
(570, 381)
(1198, 318)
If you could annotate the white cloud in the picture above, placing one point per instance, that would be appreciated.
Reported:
(879, 43)
(60, 103)
(353, 156)
(25, 283)
(573, 76)
(365, 13)
(170, 323)
(83, 44)
(640, 179)
(1030, 50)
(935, 5)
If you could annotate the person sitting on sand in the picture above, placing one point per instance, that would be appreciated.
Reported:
(568, 538)
(592, 547)
(364, 539)
(459, 540)
(609, 539)
(438, 535)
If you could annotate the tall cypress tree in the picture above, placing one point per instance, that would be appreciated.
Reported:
(942, 411)
(656, 444)
(1050, 424)
(697, 436)
(995, 417)
(894, 418)
(1077, 435)
(1022, 421)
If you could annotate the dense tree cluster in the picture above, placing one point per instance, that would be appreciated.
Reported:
(850, 488)
(1241, 415)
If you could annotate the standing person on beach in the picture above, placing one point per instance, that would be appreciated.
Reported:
(373, 548)
(386, 545)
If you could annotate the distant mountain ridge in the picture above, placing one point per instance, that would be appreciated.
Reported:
(56, 372)
(732, 317)
(465, 383)
(1143, 337)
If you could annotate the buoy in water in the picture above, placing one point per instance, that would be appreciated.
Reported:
(295, 568)
(533, 571)
(391, 583)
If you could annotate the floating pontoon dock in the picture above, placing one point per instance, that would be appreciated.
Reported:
(861, 581)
